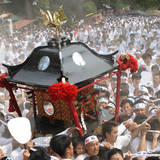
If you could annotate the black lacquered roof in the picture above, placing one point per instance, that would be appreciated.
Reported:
(28, 72)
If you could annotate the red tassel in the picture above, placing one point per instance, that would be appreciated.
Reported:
(132, 63)
(75, 117)
(66, 92)
(11, 108)
(2, 85)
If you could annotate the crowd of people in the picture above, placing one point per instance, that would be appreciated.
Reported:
(138, 130)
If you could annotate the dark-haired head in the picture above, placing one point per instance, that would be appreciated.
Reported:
(40, 154)
(103, 152)
(107, 127)
(117, 153)
(60, 143)
(78, 144)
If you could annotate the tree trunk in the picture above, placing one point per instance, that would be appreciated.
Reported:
(29, 12)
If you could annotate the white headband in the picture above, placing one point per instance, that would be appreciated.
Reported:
(131, 99)
(143, 89)
(103, 100)
(90, 139)
(139, 105)
(7, 118)
(111, 105)
(146, 97)
(123, 77)
(138, 52)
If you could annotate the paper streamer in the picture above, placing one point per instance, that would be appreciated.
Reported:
(144, 155)
(153, 131)
(156, 100)
(3, 122)
(149, 118)
(83, 123)
(122, 127)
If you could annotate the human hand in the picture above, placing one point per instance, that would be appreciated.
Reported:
(145, 126)
(128, 157)
(155, 135)
(72, 129)
(133, 126)
(26, 154)
(127, 123)
(108, 145)
(104, 121)
(29, 145)
(112, 111)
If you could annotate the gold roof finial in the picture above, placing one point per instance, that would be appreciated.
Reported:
(58, 19)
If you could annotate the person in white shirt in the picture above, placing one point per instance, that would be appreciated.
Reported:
(147, 60)
(155, 70)
(155, 42)
(136, 78)
(127, 107)
(41, 141)
(158, 61)
(97, 49)
(112, 140)
(91, 144)
(143, 142)
(156, 83)
(130, 49)
(103, 46)
(138, 55)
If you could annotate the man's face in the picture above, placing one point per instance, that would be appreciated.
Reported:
(130, 46)
(140, 111)
(98, 49)
(129, 80)
(154, 72)
(138, 56)
(127, 109)
(103, 104)
(116, 156)
(92, 148)
(71, 150)
(156, 80)
(123, 80)
(113, 135)
(136, 81)
(147, 60)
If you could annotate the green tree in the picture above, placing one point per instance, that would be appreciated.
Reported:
(90, 7)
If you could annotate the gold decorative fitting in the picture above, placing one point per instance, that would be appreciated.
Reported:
(63, 80)
(125, 56)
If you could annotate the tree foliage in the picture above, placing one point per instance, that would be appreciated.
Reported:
(79, 8)
(90, 7)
